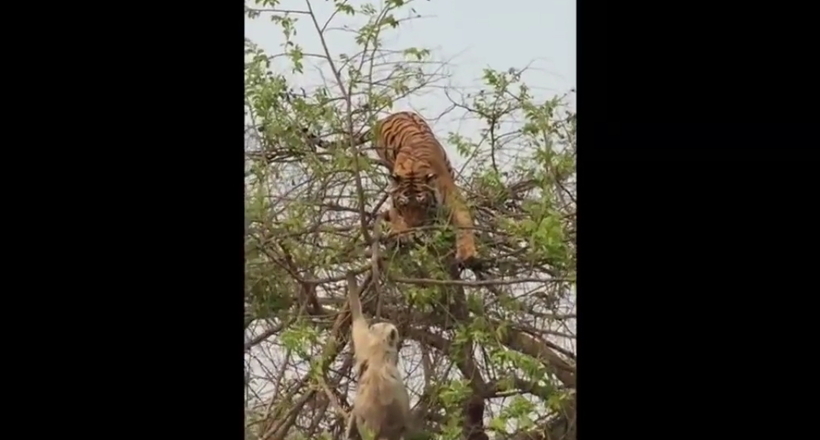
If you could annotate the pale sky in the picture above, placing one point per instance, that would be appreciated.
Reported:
(470, 34)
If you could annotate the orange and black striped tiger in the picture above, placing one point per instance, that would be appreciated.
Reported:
(422, 177)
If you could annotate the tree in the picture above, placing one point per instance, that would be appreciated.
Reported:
(487, 353)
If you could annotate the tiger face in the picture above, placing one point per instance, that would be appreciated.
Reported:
(415, 196)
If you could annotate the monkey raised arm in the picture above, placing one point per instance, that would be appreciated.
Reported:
(360, 330)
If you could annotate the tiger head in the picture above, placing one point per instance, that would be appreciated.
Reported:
(414, 193)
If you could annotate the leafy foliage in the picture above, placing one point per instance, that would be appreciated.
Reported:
(485, 354)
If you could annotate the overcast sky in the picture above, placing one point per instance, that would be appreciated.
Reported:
(470, 34)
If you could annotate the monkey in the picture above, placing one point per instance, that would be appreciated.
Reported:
(381, 405)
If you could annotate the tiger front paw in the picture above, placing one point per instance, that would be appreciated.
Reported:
(466, 256)
(404, 239)
(400, 241)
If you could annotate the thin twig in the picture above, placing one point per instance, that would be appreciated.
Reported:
(374, 263)
(432, 282)
(330, 397)
(264, 335)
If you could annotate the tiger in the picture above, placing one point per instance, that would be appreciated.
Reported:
(422, 177)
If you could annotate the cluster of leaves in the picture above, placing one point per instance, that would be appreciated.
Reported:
(485, 354)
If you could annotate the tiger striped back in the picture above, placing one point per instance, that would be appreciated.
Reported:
(396, 136)
(406, 136)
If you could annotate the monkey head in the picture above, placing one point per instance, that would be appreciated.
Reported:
(386, 333)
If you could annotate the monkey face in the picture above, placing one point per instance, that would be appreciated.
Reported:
(386, 332)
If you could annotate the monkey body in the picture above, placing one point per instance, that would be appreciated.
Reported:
(381, 405)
